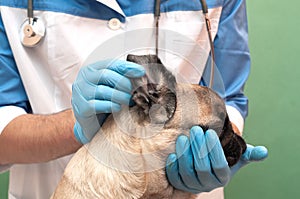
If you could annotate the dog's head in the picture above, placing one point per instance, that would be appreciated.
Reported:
(157, 98)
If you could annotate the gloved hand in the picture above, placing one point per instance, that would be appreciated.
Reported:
(199, 164)
(98, 90)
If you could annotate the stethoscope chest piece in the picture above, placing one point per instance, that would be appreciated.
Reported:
(32, 31)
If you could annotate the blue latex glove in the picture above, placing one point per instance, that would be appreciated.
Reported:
(98, 90)
(199, 164)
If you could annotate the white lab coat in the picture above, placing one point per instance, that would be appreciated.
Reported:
(49, 69)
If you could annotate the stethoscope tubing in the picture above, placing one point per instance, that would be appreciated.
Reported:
(31, 21)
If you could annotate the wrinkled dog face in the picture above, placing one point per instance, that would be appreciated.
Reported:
(155, 95)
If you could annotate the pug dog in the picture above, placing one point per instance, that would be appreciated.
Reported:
(126, 158)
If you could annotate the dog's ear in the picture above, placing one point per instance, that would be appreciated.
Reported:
(154, 93)
(233, 144)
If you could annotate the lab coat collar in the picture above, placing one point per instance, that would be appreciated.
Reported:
(113, 4)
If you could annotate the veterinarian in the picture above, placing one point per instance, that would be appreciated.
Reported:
(42, 122)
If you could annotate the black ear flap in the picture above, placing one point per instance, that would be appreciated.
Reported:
(233, 144)
(143, 59)
(154, 93)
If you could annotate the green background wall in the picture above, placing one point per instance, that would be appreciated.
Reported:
(3, 185)
(273, 90)
(274, 95)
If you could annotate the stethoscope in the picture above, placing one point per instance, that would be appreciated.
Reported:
(33, 31)
(208, 28)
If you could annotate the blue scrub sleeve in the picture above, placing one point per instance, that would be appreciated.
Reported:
(12, 92)
(232, 57)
